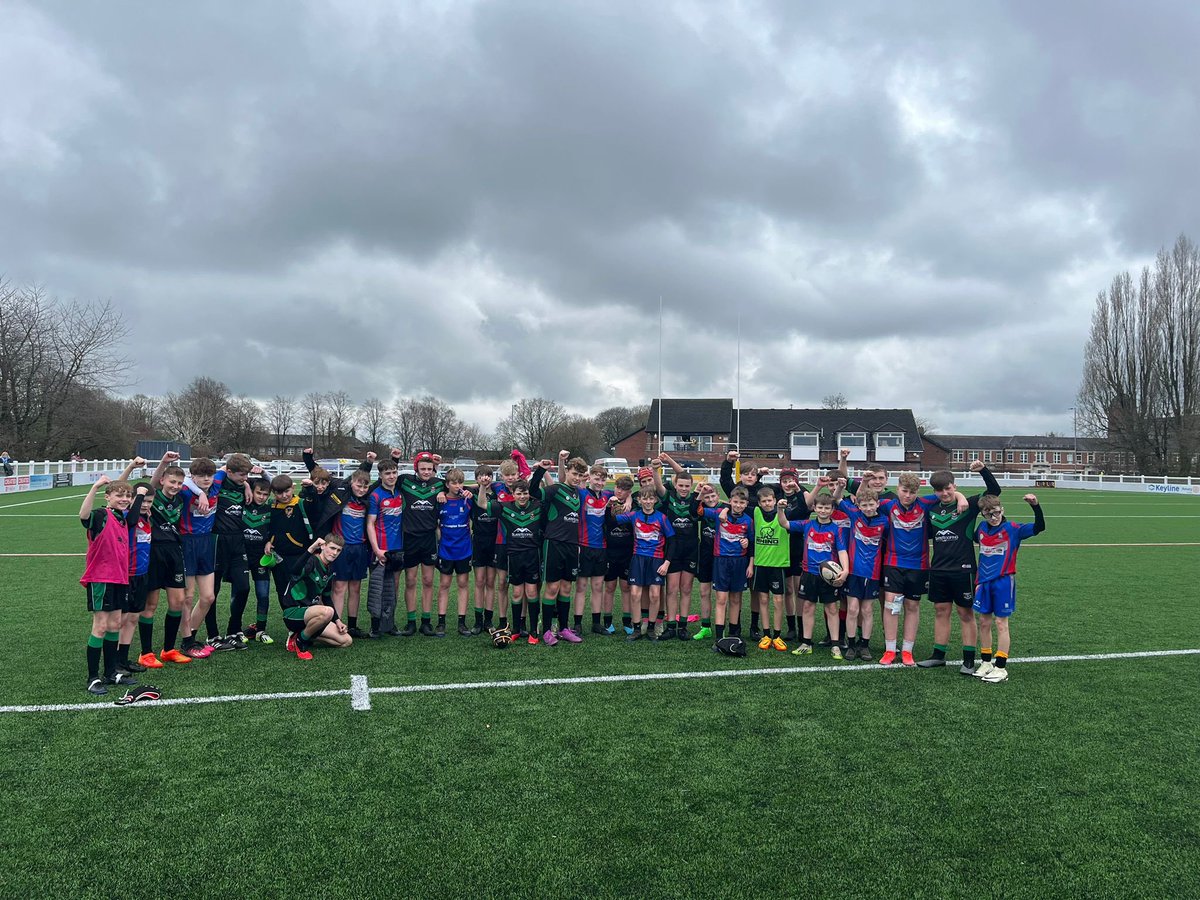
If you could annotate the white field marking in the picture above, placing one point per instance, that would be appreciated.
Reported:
(47, 500)
(1164, 544)
(1127, 516)
(360, 694)
(584, 679)
(54, 516)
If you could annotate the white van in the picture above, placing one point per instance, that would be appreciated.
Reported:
(616, 465)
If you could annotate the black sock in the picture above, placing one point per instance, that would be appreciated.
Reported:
(110, 654)
(564, 612)
(754, 621)
(462, 620)
(122, 653)
(441, 620)
(735, 629)
(534, 606)
(94, 646)
(171, 629)
(487, 618)
(938, 653)
(146, 633)
(607, 620)
(578, 623)
(720, 632)
(1001, 661)
(351, 622)
(791, 620)
(375, 623)
(210, 621)
(479, 616)
(626, 619)
(503, 622)
(518, 617)
(595, 619)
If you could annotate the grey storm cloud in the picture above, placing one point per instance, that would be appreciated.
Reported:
(914, 205)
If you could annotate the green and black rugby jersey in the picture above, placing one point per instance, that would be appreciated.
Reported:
(951, 531)
(230, 500)
(683, 514)
(522, 525)
(256, 524)
(420, 503)
(307, 585)
(164, 517)
(562, 507)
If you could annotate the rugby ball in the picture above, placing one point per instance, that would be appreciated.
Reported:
(830, 571)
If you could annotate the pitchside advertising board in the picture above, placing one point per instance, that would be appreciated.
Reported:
(17, 483)
(90, 478)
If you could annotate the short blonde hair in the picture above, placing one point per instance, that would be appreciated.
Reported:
(909, 481)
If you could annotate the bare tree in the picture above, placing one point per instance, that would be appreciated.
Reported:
(437, 426)
(313, 413)
(1177, 366)
(580, 435)
(1121, 395)
(925, 425)
(341, 420)
(404, 426)
(48, 350)
(530, 422)
(834, 401)
(280, 413)
(617, 422)
(244, 425)
(198, 414)
(373, 421)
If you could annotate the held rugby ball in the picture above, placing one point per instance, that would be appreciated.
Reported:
(830, 571)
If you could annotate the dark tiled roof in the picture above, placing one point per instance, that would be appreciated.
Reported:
(1016, 442)
(768, 429)
(682, 416)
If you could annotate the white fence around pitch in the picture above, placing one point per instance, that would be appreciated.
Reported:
(33, 476)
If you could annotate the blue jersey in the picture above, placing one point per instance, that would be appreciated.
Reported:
(351, 521)
(593, 508)
(866, 540)
(822, 541)
(388, 509)
(729, 534)
(139, 543)
(454, 520)
(998, 548)
(908, 540)
(650, 532)
(191, 521)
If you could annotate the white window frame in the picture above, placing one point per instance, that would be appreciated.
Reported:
(1024, 456)
(958, 456)
(889, 446)
(858, 451)
(809, 447)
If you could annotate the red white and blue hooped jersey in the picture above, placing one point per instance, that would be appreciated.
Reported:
(728, 538)
(192, 521)
(388, 509)
(650, 532)
(351, 521)
(822, 541)
(908, 538)
(502, 495)
(998, 548)
(593, 505)
(865, 544)
(140, 532)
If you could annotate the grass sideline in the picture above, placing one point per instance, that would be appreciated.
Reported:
(1073, 777)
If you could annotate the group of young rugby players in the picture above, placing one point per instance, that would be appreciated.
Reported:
(552, 542)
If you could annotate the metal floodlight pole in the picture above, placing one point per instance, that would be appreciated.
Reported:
(660, 372)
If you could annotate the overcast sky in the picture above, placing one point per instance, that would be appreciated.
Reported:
(912, 204)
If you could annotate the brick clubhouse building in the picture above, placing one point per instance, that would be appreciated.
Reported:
(703, 431)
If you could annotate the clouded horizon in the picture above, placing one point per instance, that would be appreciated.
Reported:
(913, 206)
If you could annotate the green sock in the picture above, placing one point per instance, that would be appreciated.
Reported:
(412, 615)
(426, 616)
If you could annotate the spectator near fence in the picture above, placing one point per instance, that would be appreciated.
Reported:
(7, 464)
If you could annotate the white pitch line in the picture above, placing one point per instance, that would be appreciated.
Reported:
(47, 500)
(583, 679)
(1163, 544)
(360, 694)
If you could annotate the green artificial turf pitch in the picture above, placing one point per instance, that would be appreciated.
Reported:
(1074, 778)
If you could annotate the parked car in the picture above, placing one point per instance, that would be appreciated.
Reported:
(691, 464)
(467, 464)
(616, 465)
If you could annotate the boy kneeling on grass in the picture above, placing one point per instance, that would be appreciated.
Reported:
(996, 583)
(306, 615)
